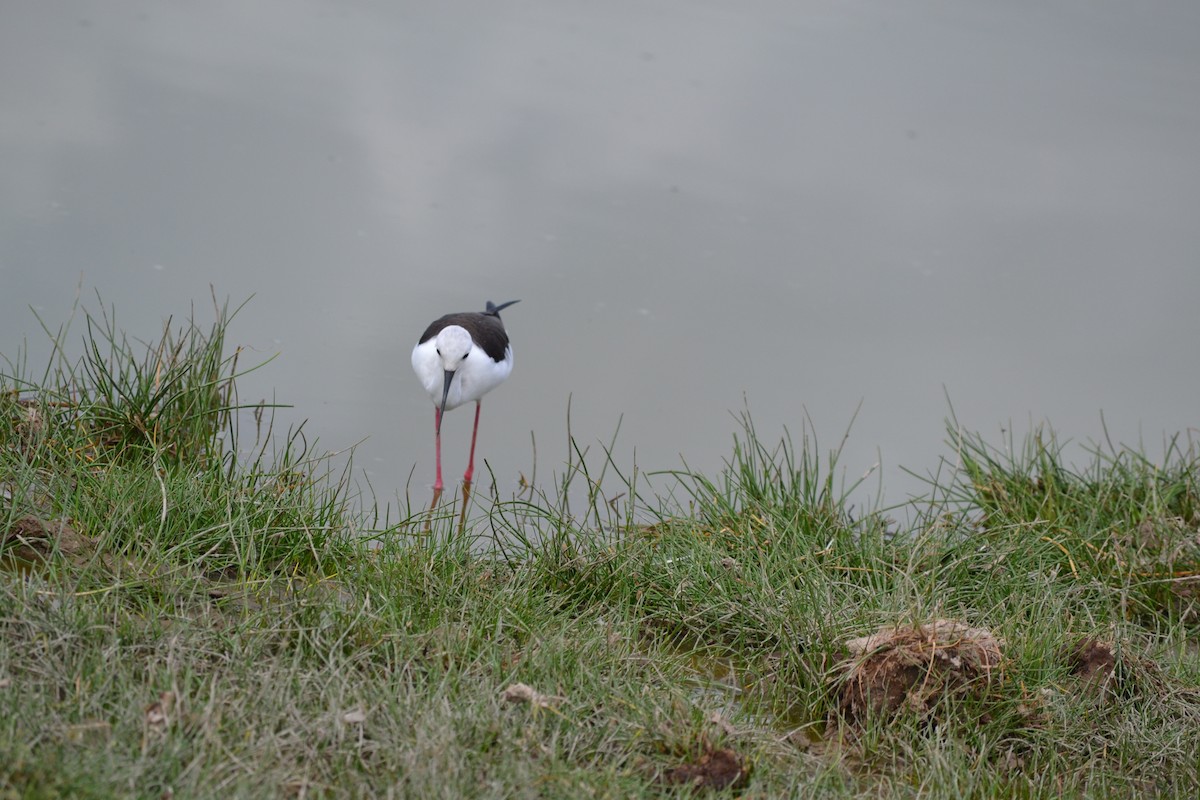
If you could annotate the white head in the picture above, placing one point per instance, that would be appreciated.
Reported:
(453, 345)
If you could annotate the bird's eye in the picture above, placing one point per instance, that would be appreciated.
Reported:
(439, 350)
(466, 354)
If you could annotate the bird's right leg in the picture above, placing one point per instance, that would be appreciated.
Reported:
(437, 444)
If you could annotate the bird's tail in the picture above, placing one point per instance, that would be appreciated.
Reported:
(495, 310)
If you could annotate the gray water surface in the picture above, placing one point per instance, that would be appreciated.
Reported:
(796, 205)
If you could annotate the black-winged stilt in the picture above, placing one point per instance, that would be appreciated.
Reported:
(460, 358)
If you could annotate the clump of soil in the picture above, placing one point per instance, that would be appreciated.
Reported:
(715, 769)
(1101, 669)
(915, 667)
(30, 539)
(1093, 662)
(523, 693)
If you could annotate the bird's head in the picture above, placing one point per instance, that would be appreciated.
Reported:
(453, 346)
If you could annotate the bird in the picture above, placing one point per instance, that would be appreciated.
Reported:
(459, 358)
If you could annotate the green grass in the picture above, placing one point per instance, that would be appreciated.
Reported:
(179, 618)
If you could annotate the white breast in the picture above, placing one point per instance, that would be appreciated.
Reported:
(474, 376)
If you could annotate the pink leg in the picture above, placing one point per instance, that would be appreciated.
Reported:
(437, 438)
(471, 462)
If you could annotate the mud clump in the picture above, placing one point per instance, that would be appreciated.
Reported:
(34, 540)
(715, 769)
(1102, 670)
(1093, 662)
(915, 667)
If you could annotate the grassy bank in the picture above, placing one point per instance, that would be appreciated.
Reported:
(192, 608)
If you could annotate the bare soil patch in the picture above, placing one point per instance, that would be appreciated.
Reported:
(31, 539)
(719, 768)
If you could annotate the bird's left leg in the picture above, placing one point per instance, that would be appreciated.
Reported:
(471, 461)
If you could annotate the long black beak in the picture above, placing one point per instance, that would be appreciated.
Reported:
(445, 393)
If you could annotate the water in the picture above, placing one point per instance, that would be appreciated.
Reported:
(797, 206)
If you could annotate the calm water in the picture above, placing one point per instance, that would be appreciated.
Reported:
(799, 205)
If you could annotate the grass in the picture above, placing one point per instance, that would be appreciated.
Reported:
(184, 614)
